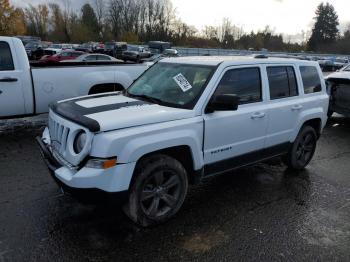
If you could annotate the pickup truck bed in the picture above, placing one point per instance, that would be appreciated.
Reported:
(28, 88)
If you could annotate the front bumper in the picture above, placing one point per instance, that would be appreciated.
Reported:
(89, 183)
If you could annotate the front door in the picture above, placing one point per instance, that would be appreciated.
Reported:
(230, 134)
(11, 95)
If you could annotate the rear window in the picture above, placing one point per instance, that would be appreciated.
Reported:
(282, 82)
(311, 79)
(6, 62)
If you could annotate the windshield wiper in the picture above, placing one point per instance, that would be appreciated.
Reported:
(148, 98)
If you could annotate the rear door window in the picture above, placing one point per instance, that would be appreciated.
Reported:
(311, 79)
(90, 58)
(6, 61)
(282, 82)
(103, 57)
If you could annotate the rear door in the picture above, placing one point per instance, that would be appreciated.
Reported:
(11, 93)
(284, 103)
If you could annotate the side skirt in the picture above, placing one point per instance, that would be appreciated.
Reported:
(230, 164)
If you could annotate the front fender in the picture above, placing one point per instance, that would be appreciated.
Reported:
(141, 146)
(130, 144)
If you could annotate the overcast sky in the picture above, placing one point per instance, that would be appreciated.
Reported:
(284, 16)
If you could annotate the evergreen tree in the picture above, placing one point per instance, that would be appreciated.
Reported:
(89, 21)
(325, 30)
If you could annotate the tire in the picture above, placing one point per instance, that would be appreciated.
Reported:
(158, 190)
(302, 150)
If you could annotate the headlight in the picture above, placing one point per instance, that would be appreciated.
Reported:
(79, 142)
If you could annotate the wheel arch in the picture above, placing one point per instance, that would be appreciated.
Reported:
(315, 123)
(105, 88)
(182, 153)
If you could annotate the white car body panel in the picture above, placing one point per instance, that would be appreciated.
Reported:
(54, 84)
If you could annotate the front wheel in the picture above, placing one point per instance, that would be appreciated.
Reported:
(158, 190)
(302, 150)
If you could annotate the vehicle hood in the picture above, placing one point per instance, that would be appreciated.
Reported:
(114, 111)
(341, 75)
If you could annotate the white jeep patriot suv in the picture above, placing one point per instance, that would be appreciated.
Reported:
(183, 120)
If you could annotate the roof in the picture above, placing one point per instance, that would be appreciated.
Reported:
(232, 60)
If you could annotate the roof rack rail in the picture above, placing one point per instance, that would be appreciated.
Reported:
(261, 56)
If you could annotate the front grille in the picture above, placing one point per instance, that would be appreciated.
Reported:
(58, 135)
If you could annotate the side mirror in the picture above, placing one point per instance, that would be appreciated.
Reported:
(224, 102)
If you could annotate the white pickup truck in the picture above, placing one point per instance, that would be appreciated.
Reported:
(27, 89)
(183, 120)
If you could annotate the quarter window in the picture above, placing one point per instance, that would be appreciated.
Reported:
(243, 82)
(6, 62)
(282, 82)
(311, 79)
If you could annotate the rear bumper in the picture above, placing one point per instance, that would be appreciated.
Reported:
(69, 184)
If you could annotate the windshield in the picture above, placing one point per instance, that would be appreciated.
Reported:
(31, 44)
(170, 84)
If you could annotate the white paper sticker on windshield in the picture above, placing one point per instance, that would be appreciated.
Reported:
(182, 82)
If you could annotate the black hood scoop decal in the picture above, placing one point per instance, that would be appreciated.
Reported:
(70, 110)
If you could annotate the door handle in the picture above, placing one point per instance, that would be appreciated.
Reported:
(297, 107)
(257, 115)
(8, 79)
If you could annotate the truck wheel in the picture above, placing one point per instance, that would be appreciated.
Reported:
(158, 190)
(302, 150)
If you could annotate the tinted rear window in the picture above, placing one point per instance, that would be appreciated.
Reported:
(282, 82)
(6, 62)
(311, 79)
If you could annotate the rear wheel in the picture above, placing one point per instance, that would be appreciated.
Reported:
(158, 190)
(302, 150)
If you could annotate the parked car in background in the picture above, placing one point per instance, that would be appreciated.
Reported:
(115, 49)
(158, 57)
(61, 47)
(89, 47)
(339, 90)
(35, 50)
(331, 65)
(28, 88)
(184, 120)
(158, 47)
(93, 57)
(135, 53)
(99, 48)
(26, 39)
(63, 55)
